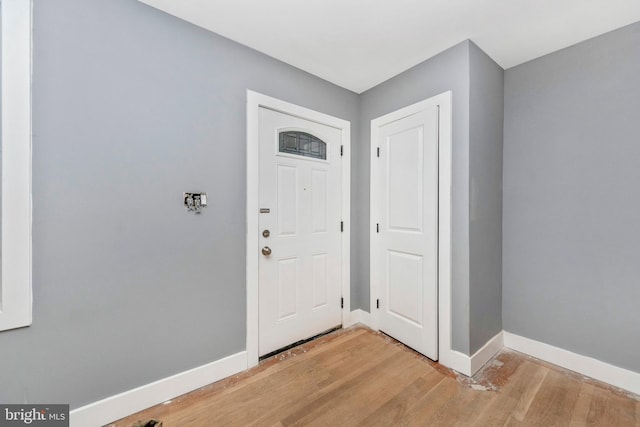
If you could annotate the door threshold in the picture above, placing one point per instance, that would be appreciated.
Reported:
(297, 343)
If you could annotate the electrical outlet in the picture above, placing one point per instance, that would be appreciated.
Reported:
(194, 202)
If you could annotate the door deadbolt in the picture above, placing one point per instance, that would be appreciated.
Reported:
(266, 250)
(266, 233)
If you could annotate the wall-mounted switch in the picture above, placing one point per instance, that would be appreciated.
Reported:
(195, 201)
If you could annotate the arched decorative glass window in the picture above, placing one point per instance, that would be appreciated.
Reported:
(302, 144)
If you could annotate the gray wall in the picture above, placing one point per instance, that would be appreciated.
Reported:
(485, 197)
(571, 197)
(131, 108)
(447, 71)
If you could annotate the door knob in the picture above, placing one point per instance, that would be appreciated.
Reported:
(266, 250)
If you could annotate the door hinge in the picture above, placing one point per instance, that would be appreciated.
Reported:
(341, 150)
(377, 303)
(341, 226)
(341, 302)
(378, 151)
(377, 228)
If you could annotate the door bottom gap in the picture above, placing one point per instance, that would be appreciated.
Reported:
(297, 343)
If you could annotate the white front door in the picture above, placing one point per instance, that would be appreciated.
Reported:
(299, 226)
(405, 242)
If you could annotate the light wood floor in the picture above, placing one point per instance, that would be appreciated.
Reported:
(359, 377)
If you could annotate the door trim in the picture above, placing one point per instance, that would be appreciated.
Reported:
(446, 355)
(256, 100)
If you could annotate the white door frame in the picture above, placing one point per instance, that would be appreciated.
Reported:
(446, 355)
(254, 102)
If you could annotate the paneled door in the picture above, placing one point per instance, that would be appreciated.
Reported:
(300, 193)
(405, 239)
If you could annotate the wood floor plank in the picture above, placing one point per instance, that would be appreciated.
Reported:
(462, 408)
(622, 410)
(581, 408)
(250, 399)
(597, 409)
(529, 393)
(397, 408)
(429, 404)
(259, 400)
(347, 407)
(498, 412)
(513, 422)
(608, 409)
(360, 377)
(553, 404)
(298, 401)
(346, 343)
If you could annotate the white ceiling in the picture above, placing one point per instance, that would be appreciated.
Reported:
(358, 44)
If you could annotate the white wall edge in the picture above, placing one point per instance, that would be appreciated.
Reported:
(584, 365)
(359, 316)
(486, 353)
(121, 405)
(15, 106)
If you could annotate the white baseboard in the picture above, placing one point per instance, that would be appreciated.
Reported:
(490, 349)
(457, 361)
(618, 377)
(359, 316)
(119, 406)
(469, 365)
